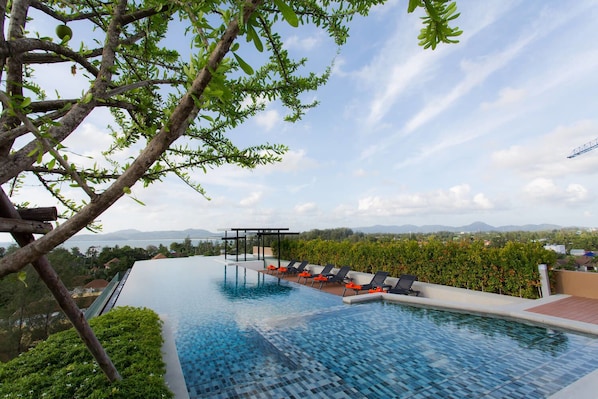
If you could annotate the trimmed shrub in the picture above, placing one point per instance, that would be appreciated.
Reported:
(62, 368)
(510, 270)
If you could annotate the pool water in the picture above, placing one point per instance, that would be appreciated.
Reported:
(244, 334)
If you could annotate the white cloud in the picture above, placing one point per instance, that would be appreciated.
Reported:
(302, 43)
(545, 155)
(400, 65)
(588, 214)
(359, 172)
(251, 200)
(454, 200)
(506, 97)
(475, 74)
(547, 191)
(576, 193)
(399, 78)
(268, 119)
(308, 207)
(293, 161)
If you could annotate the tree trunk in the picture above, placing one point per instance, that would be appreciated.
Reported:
(75, 315)
(62, 296)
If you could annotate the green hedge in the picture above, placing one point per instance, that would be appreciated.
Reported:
(510, 270)
(62, 367)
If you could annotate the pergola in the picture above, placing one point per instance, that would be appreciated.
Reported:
(240, 233)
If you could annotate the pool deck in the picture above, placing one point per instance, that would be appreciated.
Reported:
(560, 311)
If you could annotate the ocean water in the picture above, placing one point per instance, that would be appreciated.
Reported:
(83, 245)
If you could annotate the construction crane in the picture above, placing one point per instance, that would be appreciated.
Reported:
(584, 148)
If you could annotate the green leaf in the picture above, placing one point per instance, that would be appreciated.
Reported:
(252, 35)
(244, 66)
(22, 276)
(127, 190)
(287, 13)
(87, 98)
(26, 102)
(138, 201)
(413, 4)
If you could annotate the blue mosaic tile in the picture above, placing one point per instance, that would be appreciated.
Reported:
(244, 335)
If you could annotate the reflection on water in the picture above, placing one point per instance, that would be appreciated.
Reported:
(543, 339)
(237, 285)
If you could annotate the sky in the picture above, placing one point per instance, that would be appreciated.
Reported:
(475, 131)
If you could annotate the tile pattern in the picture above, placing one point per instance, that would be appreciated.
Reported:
(571, 308)
(240, 334)
(381, 350)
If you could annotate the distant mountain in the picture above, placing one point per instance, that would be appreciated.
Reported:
(476, 227)
(131, 234)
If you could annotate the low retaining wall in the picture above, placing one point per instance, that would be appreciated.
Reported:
(447, 293)
(583, 284)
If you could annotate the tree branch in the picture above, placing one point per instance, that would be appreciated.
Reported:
(179, 121)
(48, 146)
(22, 46)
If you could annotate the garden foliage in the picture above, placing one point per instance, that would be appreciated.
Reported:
(510, 270)
(62, 368)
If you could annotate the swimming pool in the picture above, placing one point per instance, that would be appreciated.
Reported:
(243, 334)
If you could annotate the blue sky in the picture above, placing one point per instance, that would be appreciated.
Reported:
(474, 131)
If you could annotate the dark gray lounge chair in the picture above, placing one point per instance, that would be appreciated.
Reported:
(272, 268)
(307, 274)
(377, 282)
(339, 277)
(403, 286)
(292, 269)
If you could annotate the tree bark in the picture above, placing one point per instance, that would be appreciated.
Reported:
(10, 225)
(62, 296)
(44, 214)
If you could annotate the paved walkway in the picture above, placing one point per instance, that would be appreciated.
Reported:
(571, 308)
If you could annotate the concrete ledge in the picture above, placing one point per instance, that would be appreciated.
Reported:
(174, 373)
(584, 388)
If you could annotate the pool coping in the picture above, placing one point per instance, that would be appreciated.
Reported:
(174, 378)
(514, 311)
